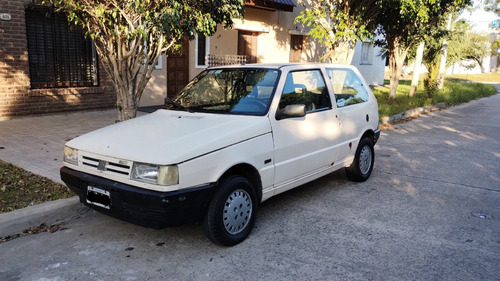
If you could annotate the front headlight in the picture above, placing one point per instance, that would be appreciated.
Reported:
(155, 174)
(70, 155)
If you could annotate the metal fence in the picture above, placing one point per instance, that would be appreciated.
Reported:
(218, 60)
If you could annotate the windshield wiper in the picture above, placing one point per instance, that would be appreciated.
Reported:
(174, 104)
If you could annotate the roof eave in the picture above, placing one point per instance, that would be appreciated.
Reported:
(281, 5)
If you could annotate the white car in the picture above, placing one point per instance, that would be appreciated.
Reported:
(232, 138)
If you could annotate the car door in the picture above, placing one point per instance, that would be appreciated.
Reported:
(353, 107)
(305, 146)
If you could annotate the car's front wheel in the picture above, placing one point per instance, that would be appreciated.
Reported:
(362, 166)
(232, 211)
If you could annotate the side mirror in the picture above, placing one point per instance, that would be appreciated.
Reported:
(291, 111)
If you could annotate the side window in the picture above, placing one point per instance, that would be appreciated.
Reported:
(306, 87)
(347, 86)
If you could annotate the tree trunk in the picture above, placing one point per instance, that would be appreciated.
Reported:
(130, 65)
(125, 102)
(343, 53)
(126, 112)
(416, 69)
(397, 57)
(481, 66)
(433, 72)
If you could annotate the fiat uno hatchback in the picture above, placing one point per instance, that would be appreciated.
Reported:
(232, 138)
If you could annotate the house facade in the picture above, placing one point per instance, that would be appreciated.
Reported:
(46, 67)
(267, 34)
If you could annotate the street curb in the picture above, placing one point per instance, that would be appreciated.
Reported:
(48, 213)
(414, 112)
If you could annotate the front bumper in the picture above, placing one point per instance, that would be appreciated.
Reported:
(376, 135)
(141, 206)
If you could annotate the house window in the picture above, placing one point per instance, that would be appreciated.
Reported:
(366, 53)
(59, 56)
(296, 48)
(202, 50)
(159, 64)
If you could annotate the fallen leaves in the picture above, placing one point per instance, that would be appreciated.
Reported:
(33, 230)
(20, 188)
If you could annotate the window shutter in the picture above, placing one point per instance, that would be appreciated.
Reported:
(59, 56)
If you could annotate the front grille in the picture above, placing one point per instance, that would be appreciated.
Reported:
(114, 166)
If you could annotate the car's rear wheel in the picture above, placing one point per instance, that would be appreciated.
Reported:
(232, 211)
(362, 166)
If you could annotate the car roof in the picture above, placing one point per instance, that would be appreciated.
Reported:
(255, 65)
(282, 65)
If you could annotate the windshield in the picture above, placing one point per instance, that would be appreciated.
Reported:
(236, 91)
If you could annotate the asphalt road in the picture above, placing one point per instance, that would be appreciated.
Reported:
(430, 211)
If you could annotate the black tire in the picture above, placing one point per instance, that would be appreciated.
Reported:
(362, 166)
(232, 212)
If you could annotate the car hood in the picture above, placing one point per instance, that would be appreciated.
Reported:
(171, 137)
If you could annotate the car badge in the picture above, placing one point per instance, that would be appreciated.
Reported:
(102, 165)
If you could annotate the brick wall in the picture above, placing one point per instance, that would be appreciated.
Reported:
(16, 96)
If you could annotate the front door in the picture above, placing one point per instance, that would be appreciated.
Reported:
(178, 69)
(296, 48)
(351, 97)
(305, 146)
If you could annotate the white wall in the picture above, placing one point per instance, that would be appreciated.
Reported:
(373, 72)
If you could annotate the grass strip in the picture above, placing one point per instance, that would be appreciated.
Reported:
(455, 91)
(20, 188)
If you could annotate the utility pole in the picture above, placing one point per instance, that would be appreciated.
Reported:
(442, 64)
(416, 69)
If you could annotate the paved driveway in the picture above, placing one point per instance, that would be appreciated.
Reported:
(430, 211)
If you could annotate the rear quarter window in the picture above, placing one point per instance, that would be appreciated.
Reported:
(347, 86)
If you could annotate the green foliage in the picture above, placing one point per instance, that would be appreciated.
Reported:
(476, 47)
(415, 20)
(130, 35)
(467, 45)
(141, 19)
(432, 56)
(492, 6)
(336, 22)
(406, 23)
(457, 38)
(495, 47)
(431, 85)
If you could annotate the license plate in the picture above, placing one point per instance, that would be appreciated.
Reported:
(98, 197)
